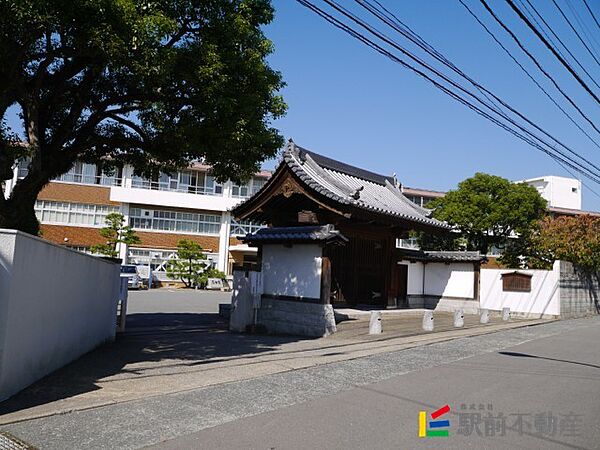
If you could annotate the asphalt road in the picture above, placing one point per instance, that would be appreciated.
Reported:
(544, 393)
(175, 301)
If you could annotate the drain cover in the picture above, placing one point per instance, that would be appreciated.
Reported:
(9, 442)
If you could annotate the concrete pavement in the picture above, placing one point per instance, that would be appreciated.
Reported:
(164, 353)
(162, 418)
(541, 394)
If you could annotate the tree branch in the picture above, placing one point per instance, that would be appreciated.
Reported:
(130, 124)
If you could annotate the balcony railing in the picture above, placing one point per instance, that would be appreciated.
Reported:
(101, 180)
(174, 186)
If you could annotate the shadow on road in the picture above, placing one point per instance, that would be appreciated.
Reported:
(188, 338)
(526, 355)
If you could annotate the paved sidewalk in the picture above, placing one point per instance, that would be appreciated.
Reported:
(147, 421)
(197, 351)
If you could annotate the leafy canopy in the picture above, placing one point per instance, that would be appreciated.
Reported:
(485, 210)
(575, 239)
(116, 233)
(155, 84)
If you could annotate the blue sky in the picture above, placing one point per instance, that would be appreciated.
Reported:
(352, 104)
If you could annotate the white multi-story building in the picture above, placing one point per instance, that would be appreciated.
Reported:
(559, 192)
(189, 204)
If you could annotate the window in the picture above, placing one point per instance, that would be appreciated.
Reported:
(257, 184)
(83, 173)
(244, 227)
(23, 167)
(574, 190)
(410, 243)
(240, 190)
(72, 213)
(176, 221)
(516, 282)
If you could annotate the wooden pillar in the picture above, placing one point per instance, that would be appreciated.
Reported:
(325, 280)
(388, 271)
(476, 276)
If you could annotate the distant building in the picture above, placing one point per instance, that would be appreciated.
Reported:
(189, 204)
(560, 192)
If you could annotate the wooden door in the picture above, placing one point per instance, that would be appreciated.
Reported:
(399, 286)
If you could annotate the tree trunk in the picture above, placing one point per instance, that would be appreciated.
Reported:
(18, 212)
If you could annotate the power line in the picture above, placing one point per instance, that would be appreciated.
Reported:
(549, 47)
(528, 137)
(559, 40)
(591, 13)
(564, 16)
(538, 65)
(510, 55)
(586, 31)
(407, 32)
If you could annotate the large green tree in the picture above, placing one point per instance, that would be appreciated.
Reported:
(155, 84)
(485, 210)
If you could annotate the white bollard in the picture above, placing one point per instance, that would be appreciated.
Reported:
(485, 316)
(375, 323)
(505, 314)
(459, 318)
(428, 321)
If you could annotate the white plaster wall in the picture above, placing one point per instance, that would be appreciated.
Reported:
(544, 297)
(292, 271)
(449, 280)
(55, 305)
(415, 277)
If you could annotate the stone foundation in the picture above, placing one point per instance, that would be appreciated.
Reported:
(445, 304)
(296, 317)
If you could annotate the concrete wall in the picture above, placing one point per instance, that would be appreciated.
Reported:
(172, 198)
(292, 271)
(55, 305)
(246, 290)
(542, 301)
(579, 294)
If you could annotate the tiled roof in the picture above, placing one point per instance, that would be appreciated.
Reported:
(442, 256)
(353, 186)
(315, 233)
(572, 212)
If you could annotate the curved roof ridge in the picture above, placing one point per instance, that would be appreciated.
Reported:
(401, 196)
(338, 166)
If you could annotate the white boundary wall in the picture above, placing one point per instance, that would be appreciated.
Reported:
(55, 305)
(456, 280)
(543, 300)
(293, 271)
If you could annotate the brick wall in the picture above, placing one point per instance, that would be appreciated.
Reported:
(85, 237)
(76, 193)
(170, 240)
(76, 236)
